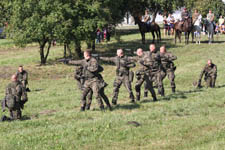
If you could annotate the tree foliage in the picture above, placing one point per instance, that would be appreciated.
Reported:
(66, 21)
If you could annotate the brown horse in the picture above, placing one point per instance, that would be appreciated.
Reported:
(187, 28)
(143, 28)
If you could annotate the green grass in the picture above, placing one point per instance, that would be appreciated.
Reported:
(191, 119)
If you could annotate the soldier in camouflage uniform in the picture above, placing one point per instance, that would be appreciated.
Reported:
(15, 98)
(22, 76)
(92, 80)
(78, 76)
(210, 73)
(143, 75)
(168, 66)
(155, 68)
(123, 65)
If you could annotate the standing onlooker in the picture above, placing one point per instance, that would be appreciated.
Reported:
(221, 23)
(98, 40)
(165, 23)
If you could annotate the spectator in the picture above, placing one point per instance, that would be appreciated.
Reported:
(98, 40)
(221, 23)
(165, 23)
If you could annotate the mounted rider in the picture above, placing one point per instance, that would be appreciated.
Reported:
(147, 18)
(196, 16)
(210, 18)
(184, 16)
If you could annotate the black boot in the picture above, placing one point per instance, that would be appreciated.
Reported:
(154, 99)
(145, 94)
(173, 90)
(82, 108)
(114, 102)
(138, 97)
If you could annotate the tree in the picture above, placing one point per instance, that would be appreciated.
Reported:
(217, 6)
(35, 21)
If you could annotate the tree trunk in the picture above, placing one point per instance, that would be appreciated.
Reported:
(78, 48)
(64, 54)
(42, 55)
(69, 50)
(42, 51)
(93, 45)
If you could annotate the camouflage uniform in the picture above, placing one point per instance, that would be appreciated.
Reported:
(17, 91)
(210, 73)
(78, 76)
(143, 76)
(156, 70)
(92, 82)
(169, 68)
(123, 65)
(22, 77)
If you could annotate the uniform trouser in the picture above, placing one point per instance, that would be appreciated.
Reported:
(144, 78)
(91, 85)
(89, 95)
(117, 83)
(15, 114)
(171, 76)
(211, 81)
(159, 80)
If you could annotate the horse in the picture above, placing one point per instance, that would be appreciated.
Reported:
(197, 29)
(144, 27)
(186, 28)
(210, 29)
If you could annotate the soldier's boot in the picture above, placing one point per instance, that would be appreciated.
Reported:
(146, 94)
(114, 101)
(88, 107)
(173, 89)
(108, 105)
(82, 108)
(101, 107)
(138, 97)
(5, 118)
(132, 98)
(154, 99)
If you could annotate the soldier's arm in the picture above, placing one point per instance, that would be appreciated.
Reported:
(108, 59)
(75, 62)
(201, 74)
(25, 76)
(213, 72)
(172, 57)
(130, 62)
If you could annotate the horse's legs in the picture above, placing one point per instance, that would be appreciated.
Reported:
(143, 37)
(179, 35)
(153, 35)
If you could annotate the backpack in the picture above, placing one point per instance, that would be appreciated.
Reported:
(11, 98)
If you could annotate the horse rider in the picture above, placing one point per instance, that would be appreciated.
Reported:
(147, 18)
(196, 15)
(210, 17)
(184, 16)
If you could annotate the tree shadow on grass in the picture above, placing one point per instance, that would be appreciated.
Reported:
(127, 106)
(220, 86)
(177, 95)
(181, 94)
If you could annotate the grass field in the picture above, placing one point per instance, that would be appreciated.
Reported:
(190, 119)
